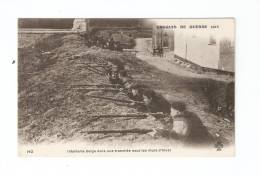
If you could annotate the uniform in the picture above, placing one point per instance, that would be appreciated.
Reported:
(114, 79)
(125, 81)
(188, 128)
(159, 104)
(108, 70)
(113, 74)
(111, 44)
(138, 91)
(138, 97)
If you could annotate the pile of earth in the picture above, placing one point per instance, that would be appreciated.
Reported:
(49, 110)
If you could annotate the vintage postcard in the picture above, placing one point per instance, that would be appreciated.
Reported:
(126, 87)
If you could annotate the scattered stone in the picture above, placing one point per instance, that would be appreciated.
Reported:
(217, 135)
(50, 112)
(227, 120)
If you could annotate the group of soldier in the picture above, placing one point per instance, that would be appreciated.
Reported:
(158, 51)
(101, 42)
(177, 123)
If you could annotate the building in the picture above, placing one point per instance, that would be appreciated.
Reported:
(201, 47)
(81, 25)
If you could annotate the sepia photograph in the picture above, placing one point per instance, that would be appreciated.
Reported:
(126, 87)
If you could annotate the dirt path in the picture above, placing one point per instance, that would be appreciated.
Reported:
(167, 64)
(179, 83)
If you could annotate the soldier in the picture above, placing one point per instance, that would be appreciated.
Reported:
(155, 103)
(89, 42)
(98, 43)
(154, 51)
(108, 68)
(111, 44)
(113, 78)
(124, 78)
(136, 92)
(95, 40)
(102, 42)
(118, 46)
(161, 51)
(185, 126)
(118, 64)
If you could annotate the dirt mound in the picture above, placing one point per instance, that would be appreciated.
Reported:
(49, 110)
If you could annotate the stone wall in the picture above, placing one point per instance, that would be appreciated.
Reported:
(81, 25)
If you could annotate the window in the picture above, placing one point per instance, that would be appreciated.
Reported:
(212, 40)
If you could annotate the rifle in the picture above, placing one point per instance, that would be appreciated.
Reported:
(141, 115)
(101, 61)
(91, 64)
(94, 68)
(91, 68)
(112, 99)
(96, 85)
(73, 57)
(138, 115)
(96, 89)
(94, 71)
(135, 130)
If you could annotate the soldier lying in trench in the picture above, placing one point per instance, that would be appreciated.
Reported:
(146, 100)
(124, 78)
(135, 92)
(108, 68)
(113, 78)
(155, 103)
(184, 126)
(113, 74)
